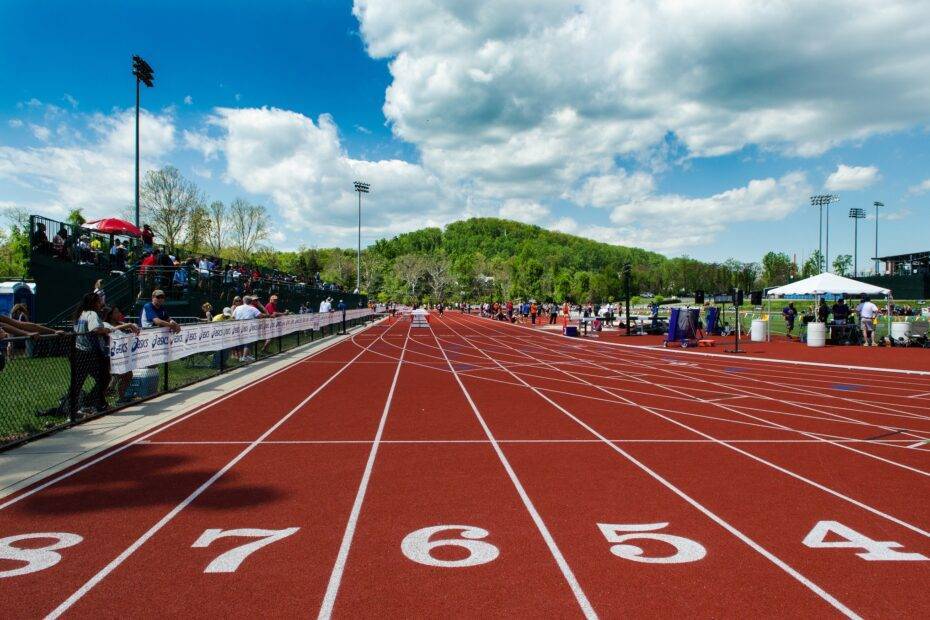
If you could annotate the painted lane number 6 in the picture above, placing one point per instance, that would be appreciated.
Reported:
(686, 550)
(417, 546)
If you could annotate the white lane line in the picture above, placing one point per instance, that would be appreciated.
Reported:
(813, 483)
(813, 587)
(168, 425)
(335, 578)
(567, 572)
(920, 443)
(315, 442)
(749, 393)
(115, 563)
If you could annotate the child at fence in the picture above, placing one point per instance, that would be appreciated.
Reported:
(114, 320)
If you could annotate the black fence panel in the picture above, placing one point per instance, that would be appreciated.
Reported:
(47, 383)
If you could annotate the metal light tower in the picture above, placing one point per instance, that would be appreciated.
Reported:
(144, 74)
(876, 204)
(821, 201)
(856, 215)
(361, 188)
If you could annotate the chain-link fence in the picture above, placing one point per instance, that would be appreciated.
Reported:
(48, 383)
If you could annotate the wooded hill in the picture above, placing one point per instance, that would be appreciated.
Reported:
(483, 258)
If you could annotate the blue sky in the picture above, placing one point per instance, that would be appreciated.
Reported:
(698, 129)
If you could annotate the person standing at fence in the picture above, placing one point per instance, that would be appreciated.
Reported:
(155, 314)
(114, 320)
(245, 312)
(90, 358)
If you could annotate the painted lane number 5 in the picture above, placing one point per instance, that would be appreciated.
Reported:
(686, 550)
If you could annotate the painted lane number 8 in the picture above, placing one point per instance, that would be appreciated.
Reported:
(35, 558)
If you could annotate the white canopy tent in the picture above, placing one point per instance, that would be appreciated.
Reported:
(827, 284)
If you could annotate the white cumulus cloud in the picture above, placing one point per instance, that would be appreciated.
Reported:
(95, 173)
(852, 177)
(921, 188)
(548, 93)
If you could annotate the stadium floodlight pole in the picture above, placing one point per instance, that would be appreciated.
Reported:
(856, 215)
(361, 188)
(144, 75)
(876, 204)
(821, 201)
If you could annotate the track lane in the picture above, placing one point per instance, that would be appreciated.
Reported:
(79, 597)
(598, 571)
(769, 495)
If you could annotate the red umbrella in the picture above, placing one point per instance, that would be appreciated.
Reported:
(113, 226)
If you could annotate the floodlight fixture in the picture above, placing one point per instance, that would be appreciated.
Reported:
(856, 214)
(144, 75)
(876, 204)
(821, 201)
(362, 188)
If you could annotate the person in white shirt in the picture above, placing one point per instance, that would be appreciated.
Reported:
(246, 312)
(325, 306)
(867, 312)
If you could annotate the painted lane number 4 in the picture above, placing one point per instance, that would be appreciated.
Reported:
(873, 550)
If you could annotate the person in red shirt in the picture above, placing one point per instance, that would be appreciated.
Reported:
(148, 238)
(150, 260)
(272, 306)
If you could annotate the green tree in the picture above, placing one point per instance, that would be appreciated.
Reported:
(842, 264)
(76, 217)
(812, 266)
(776, 268)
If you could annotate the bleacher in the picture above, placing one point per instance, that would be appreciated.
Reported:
(64, 274)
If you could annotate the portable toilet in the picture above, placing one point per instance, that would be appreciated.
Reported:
(17, 292)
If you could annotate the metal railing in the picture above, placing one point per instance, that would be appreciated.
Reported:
(47, 383)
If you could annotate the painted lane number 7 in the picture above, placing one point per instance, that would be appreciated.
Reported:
(229, 561)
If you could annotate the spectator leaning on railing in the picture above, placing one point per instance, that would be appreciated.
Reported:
(155, 314)
(114, 320)
(90, 354)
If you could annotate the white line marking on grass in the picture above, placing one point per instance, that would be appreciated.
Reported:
(118, 560)
(567, 572)
(335, 578)
(813, 587)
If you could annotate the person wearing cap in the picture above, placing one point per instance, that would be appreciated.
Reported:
(225, 315)
(155, 314)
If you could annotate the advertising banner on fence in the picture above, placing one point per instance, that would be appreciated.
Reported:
(157, 346)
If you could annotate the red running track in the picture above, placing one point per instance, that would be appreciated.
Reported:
(480, 469)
